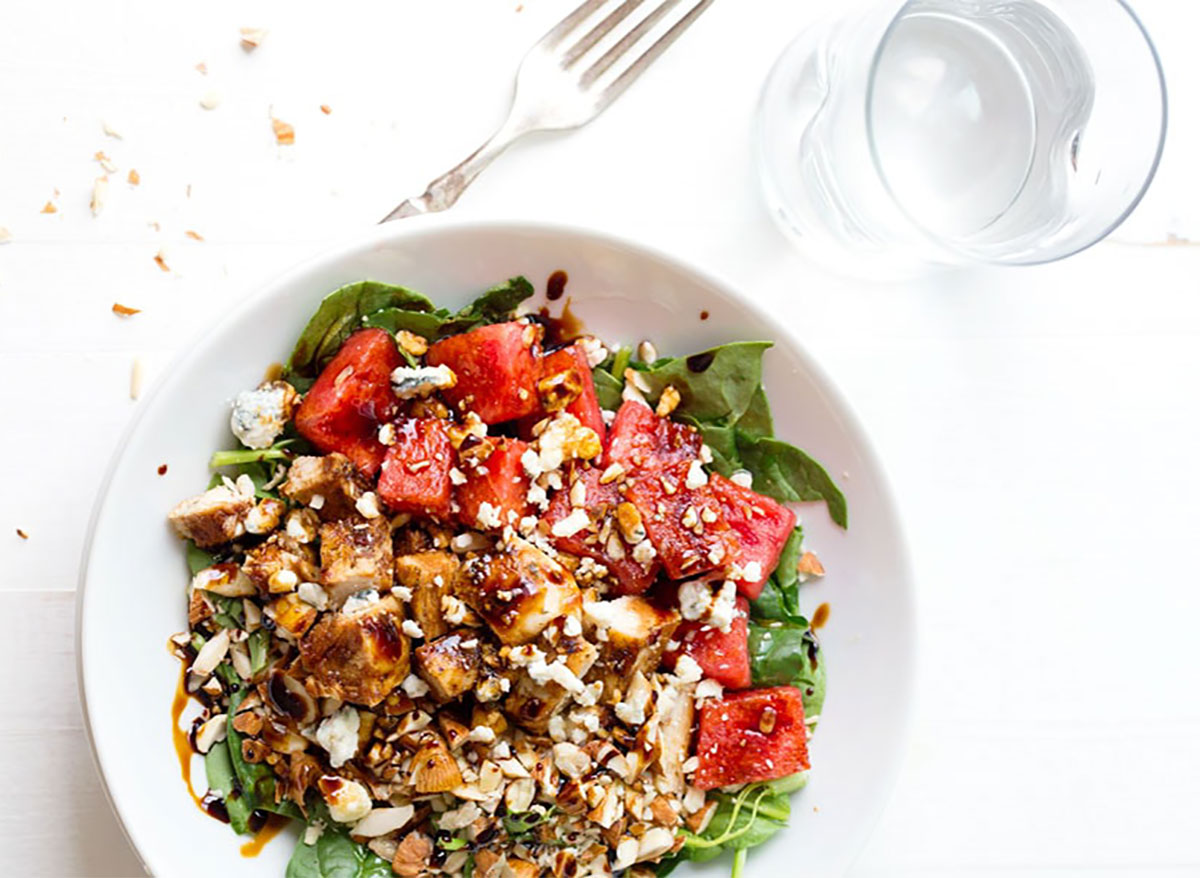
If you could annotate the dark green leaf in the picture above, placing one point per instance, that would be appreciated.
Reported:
(340, 314)
(334, 854)
(198, 559)
(260, 472)
(783, 654)
(786, 473)
(427, 324)
(237, 456)
(780, 597)
(259, 643)
(722, 441)
(218, 769)
(608, 389)
(719, 384)
(256, 780)
(493, 306)
(230, 612)
(756, 421)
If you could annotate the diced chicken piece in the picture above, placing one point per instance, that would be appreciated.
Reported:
(546, 684)
(675, 713)
(292, 615)
(216, 516)
(450, 664)
(280, 564)
(358, 657)
(330, 484)
(430, 577)
(633, 634)
(519, 591)
(260, 416)
(355, 555)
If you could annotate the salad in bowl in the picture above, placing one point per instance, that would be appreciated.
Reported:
(482, 595)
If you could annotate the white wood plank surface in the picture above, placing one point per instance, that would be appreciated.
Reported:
(1041, 426)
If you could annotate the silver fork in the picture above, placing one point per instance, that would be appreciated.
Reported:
(565, 81)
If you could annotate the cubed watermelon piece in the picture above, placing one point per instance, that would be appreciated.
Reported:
(762, 526)
(685, 525)
(496, 369)
(585, 406)
(757, 734)
(640, 440)
(724, 656)
(351, 398)
(416, 471)
(500, 481)
(601, 502)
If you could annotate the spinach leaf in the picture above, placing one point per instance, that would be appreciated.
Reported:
(493, 306)
(608, 388)
(741, 821)
(718, 384)
(218, 769)
(780, 597)
(427, 324)
(341, 313)
(198, 559)
(260, 472)
(256, 780)
(756, 422)
(786, 473)
(259, 644)
(237, 456)
(520, 826)
(230, 612)
(334, 854)
(787, 654)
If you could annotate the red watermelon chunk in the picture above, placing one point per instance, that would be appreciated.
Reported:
(585, 406)
(416, 472)
(758, 734)
(685, 525)
(351, 398)
(496, 369)
(601, 503)
(641, 440)
(501, 482)
(762, 526)
(724, 656)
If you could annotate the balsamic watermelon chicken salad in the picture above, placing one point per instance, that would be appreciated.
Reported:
(473, 599)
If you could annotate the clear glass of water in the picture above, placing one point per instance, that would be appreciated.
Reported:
(946, 132)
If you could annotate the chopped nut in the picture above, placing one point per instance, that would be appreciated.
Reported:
(809, 565)
(412, 855)
(285, 134)
(194, 235)
(667, 402)
(134, 177)
(411, 343)
(125, 310)
(325, 108)
(434, 769)
(766, 721)
(519, 795)
(559, 390)
(252, 37)
(210, 100)
(629, 520)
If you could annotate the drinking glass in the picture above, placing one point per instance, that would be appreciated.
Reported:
(942, 132)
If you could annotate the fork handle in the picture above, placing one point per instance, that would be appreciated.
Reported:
(442, 192)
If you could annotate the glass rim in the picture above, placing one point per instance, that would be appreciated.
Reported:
(1151, 173)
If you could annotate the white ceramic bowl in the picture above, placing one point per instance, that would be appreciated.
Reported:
(131, 597)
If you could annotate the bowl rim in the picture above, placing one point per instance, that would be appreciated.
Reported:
(342, 247)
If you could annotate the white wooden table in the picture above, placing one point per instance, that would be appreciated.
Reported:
(1041, 426)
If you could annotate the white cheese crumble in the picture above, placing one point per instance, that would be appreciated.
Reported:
(708, 689)
(644, 552)
(338, 734)
(724, 607)
(481, 735)
(414, 686)
(259, 416)
(572, 524)
(687, 671)
(349, 803)
(368, 505)
(360, 600)
(743, 478)
(402, 593)
(409, 382)
(695, 598)
(412, 629)
(313, 595)
(488, 517)
(696, 476)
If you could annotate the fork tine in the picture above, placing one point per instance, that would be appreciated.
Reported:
(573, 19)
(635, 68)
(597, 33)
(626, 43)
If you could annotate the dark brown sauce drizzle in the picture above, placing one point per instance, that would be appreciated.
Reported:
(560, 330)
(555, 285)
(162, 469)
(701, 361)
(274, 372)
(182, 738)
(266, 827)
(820, 617)
(703, 315)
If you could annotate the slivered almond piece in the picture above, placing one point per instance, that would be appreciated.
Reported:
(285, 134)
(252, 37)
(325, 108)
(5, 235)
(194, 235)
(49, 208)
(105, 162)
(134, 177)
(99, 195)
(125, 310)
(161, 259)
(810, 565)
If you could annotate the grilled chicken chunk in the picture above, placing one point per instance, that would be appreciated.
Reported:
(280, 563)
(539, 692)
(519, 591)
(633, 633)
(675, 711)
(216, 516)
(355, 554)
(332, 478)
(359, 657)
(450, 664)
(430, 577)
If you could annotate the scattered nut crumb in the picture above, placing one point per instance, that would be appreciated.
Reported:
(99, 194)
(5, 235)
(161, 259)
(252, 37)
(188, 190)
(22, 534)
(809, 565)
(125, 310)
(202, 68)
(326, 109)
(137, 378)
(111, 130)
(285, 134)
(49, 208)
(134, 177)
(162, 469)
(105, 162)
(194, 235)
(154, 225)
(210, 101)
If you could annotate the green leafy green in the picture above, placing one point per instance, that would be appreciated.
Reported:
(198, 559)
(493, 306)
(423, 323)
(218, 769)
(259, 643)
(237, 456)
(788, 654)
(341, 313)
(230, 612)
(719, 384)
(521, 825)
(608, 388)
(780, 597)
(256, 780)
(261, 472)
(786, 473)
(334, 854)
(452, 843)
